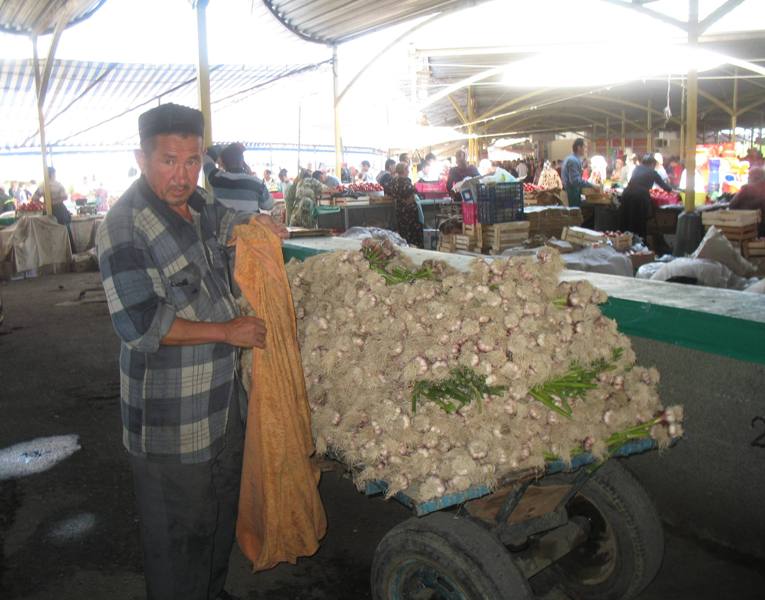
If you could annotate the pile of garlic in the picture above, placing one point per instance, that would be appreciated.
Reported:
(365, 343)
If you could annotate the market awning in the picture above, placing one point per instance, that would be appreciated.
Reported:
(507, 107)
(97, 103)
(337, 21)
(41, 16)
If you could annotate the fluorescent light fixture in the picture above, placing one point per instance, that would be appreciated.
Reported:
(595, 66)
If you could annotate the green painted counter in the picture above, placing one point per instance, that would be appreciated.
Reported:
(722, 322)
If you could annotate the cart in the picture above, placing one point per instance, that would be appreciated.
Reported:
(589, 528)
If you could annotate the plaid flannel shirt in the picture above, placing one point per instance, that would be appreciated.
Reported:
(154, 268)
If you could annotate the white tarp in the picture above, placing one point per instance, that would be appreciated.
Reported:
(84, 232)
(35, 242)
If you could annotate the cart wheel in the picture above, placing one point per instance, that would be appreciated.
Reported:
(625, 547)
(442, 557)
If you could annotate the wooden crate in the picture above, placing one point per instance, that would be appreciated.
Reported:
(473, 231)
(730, 218)
(464, 242)
(621, 241)
(582, 236)
(446, 243)
(594, 196)
(739, 234)
(753, 247)
(501, 236)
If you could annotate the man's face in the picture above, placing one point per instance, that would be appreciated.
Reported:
(172, 168)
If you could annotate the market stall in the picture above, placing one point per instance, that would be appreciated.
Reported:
(34, 242)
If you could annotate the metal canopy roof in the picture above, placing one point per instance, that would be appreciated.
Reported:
(519, 110)
(336, 21)
(97, 103)
(41, 16)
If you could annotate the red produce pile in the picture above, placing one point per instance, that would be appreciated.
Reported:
(31, 206)
(662, 198)
(360, 187)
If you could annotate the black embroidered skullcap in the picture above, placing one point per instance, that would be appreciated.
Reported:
(171, 118)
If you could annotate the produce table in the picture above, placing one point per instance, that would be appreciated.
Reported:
(360, 213)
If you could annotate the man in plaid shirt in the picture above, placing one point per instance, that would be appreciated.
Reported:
(165, 269)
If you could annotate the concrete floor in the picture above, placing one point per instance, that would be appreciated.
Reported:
(71, 532)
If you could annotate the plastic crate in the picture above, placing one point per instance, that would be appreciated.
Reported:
(469, 213)
(500, 203)
(431, 189)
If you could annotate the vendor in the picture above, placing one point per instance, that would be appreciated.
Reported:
(459, 172)
(636, 207)
(751, 196)
(57, 197)
(572, 175)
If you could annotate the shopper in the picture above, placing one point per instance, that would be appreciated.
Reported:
(459, 172)
(751, 196)
(161, 251)
(660, 167)
(407, 214)
(385, 176)
(284, 181)
(635, 208)
(572, 175)
(325, 178)
(234, 179)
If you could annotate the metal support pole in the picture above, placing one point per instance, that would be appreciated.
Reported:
(608, 140)
(624, 136)
(734, 113)
(682, 122)
(203, 73)
(649, 130)
(472, 142)
(692, 111)
(338, 138)
(41, 121)
(300, 128)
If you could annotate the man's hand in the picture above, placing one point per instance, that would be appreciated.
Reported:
(246, 332)
(275, 227)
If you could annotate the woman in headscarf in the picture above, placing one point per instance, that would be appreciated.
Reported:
(636, 208)
(402, 191)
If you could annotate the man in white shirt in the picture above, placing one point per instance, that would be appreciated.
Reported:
(523, 171)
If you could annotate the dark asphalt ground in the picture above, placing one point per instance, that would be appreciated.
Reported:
(71, 532)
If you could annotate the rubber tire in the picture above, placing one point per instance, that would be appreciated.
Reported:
(465, 551)
(637, 533)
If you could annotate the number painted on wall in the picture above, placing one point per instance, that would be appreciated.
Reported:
(759, 441)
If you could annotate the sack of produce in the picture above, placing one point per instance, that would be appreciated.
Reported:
(435, 380)
(715, 246)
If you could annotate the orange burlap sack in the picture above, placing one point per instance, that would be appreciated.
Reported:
(281, 516)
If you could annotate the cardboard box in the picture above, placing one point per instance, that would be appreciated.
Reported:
(638, 260)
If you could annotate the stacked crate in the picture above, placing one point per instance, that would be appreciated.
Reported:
(736, 225)
(499, 237)
(754, 248)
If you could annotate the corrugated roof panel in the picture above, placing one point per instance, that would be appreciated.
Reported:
(81, 109)
(336, 21)
(40, 16)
